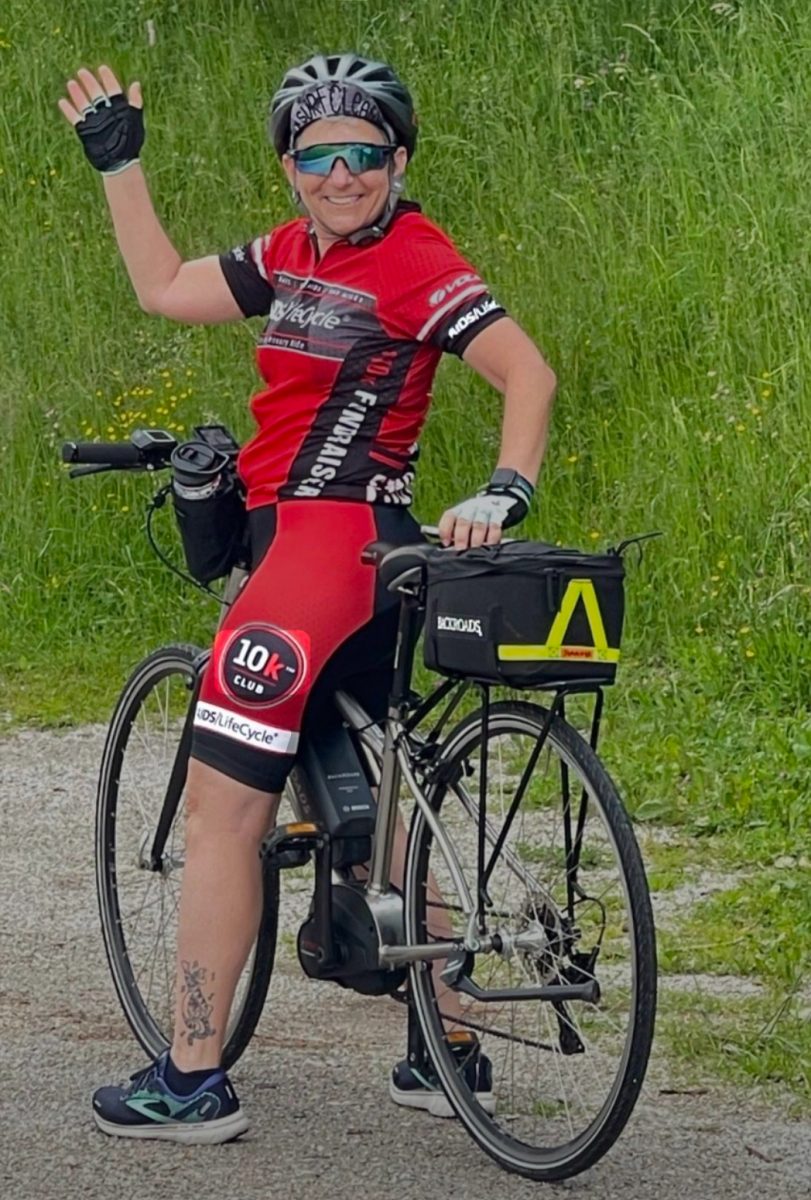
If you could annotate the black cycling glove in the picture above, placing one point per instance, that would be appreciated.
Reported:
(504, 501)
(112, 133)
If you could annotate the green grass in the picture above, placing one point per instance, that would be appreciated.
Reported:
(756, 928)
(763, 1040)
(631, 177)
(759, 928)
(614, 173)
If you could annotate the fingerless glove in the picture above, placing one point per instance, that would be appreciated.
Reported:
(504, 501)
(112, 133)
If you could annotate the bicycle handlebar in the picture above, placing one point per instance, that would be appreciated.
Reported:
(112, 454)
(148, 449)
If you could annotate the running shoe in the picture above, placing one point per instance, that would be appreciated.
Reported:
(147, 1108)
(416, 1089)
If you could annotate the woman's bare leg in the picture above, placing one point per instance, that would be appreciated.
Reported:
(220, 907)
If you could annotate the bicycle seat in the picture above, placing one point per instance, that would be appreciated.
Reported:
(397, 565)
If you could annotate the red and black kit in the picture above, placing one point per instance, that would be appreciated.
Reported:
(348, 355)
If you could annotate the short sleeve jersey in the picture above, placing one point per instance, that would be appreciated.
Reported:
(348, 354)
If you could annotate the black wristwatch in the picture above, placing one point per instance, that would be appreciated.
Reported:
(503, 478)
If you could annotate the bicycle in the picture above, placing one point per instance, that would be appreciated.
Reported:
(524, 893)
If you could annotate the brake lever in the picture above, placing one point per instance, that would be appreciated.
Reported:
(93, 469)
(98, 468)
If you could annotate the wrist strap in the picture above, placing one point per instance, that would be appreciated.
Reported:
(121, 167)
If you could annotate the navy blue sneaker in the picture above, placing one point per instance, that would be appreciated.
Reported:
(147, 1108)
(415, 1089)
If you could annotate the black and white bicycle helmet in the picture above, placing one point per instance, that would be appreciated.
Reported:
(376, 79)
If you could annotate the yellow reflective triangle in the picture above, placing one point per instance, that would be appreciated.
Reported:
(554, 646)
(579, 589)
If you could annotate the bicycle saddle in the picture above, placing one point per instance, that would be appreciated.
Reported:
(398, 565)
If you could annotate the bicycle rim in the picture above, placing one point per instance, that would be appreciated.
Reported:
(565, 1078)
(139, 906)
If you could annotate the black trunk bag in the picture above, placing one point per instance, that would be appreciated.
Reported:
(525, 614)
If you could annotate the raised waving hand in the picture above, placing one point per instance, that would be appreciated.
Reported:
(110, 125)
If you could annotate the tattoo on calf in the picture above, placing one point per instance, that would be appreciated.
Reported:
(196, 1006)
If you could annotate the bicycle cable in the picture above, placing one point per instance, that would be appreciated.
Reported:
(158, 501)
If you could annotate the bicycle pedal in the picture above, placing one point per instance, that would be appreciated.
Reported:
(291, 845)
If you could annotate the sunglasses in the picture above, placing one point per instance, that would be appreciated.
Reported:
(357, 157)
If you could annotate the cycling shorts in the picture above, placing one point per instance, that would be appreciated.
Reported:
(310, 617)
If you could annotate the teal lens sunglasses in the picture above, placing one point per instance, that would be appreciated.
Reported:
(357, 156)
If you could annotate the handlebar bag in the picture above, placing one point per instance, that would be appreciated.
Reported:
(212, 522)
(525, 614)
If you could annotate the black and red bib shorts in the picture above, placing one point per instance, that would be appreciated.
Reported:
(311, 618)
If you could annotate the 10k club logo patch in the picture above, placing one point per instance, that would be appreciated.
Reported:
(262, 665)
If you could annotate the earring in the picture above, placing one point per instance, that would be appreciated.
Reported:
(398, 183)
(295, 194)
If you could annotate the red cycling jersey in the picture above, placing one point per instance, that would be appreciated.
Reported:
(348, 354)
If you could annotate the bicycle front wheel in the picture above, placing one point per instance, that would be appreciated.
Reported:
(567, 906)
(138, 898)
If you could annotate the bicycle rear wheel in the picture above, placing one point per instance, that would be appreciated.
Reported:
(568, 905)
(138, 905)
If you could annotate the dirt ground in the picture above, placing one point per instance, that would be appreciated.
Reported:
(313, 1080)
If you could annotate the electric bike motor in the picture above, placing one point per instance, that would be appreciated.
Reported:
(330, 788)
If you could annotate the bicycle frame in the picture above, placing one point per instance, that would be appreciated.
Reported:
(389, 747)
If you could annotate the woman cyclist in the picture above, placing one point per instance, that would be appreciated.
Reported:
(360, 296)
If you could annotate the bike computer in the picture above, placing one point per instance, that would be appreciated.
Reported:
(219, 438)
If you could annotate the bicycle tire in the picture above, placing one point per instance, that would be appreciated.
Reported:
(171, 668)
(545, 1162)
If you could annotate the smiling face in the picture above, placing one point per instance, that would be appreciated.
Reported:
(341, 203)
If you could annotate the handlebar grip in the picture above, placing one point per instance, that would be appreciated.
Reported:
(114, 454)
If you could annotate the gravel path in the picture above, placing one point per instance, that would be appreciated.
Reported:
(322, 1124)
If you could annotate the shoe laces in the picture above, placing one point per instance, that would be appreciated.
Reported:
(146, 1075)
